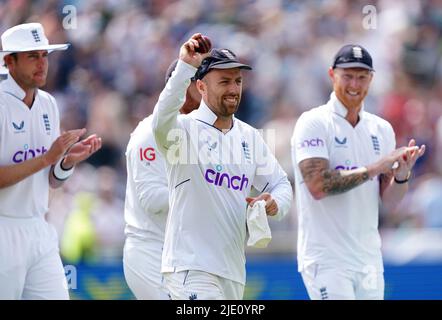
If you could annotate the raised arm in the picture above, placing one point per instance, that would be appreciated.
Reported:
(165, 115)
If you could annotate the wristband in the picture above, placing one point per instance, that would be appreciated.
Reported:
(403, 181)
(60, 173)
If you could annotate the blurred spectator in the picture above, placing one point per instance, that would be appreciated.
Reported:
(94, 230)
(426, 202)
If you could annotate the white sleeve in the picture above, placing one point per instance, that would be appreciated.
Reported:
(270, 177)
(309, 139)
(173, 96)
(149, 176)
(1, 116)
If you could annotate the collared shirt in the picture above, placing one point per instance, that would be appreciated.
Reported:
(210, 174)
(205, 115)
(340, 230)
(147, 195)
(24, 134)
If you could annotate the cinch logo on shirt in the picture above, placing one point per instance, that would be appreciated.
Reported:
(27, 153)
(342, 167)
(315, 142)
(218, 178)
(346, 166)
(147, 154)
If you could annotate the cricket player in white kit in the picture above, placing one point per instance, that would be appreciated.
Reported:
(147, 205)
(33, 156)
(345, 160)
(203, 255)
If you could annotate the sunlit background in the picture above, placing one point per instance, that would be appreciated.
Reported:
(112, 75)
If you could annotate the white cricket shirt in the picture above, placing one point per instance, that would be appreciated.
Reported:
(24, 134)
(340, 230)
(147, 195)
(206, 226)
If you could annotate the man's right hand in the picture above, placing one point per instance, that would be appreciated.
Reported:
(62, 144)
(188, 53)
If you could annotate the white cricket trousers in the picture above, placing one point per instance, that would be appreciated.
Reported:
(30, 263)
(142, 269)
(200, 285)
(330, 283)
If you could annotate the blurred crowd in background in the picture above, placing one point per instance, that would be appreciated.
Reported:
(114, 71)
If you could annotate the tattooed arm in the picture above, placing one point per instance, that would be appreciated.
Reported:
(323, 181)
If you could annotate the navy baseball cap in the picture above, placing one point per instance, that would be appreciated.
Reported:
(219, 59)
(353, 56)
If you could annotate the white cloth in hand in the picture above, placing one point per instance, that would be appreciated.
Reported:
(258, 226)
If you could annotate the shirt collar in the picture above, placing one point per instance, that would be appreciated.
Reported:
(338, 108)
(10, 86)
(205, 114)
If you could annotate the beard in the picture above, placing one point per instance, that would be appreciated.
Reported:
(229, 108)
(351, 101)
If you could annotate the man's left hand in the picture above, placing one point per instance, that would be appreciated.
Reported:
(271, 206)
(81, 150)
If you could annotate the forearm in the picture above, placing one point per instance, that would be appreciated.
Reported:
(54, 182)
(391, 192)
(155, 200)
(10, 175)
(393, 195)
(283, 195)
(166, 112)
(340, 181)
(169, 103)
(323, 181)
